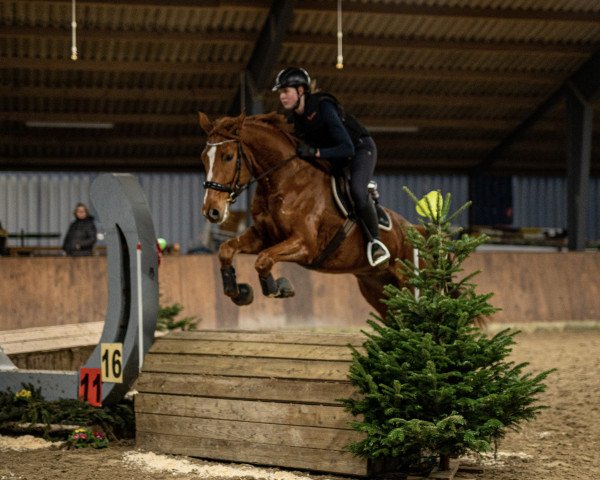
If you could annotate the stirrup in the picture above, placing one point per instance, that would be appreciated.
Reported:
(383, 258)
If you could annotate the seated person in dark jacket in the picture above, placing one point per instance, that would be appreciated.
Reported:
(81, 236)
(3, 237)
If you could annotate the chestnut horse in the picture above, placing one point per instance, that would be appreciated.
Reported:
(294, 214)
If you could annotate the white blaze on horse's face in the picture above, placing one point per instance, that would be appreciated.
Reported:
(210, 155)
(216, 203)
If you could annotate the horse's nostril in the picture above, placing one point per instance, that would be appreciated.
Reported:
(213, 213)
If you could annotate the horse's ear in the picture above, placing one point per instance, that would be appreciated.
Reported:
(240, 123)
(205, 123)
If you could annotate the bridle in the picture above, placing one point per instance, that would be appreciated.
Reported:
(234, 188)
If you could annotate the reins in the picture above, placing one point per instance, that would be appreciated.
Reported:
(236, 189)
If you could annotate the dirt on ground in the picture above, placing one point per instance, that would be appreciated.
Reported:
(563, 442)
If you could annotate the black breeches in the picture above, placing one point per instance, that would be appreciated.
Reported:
(362, 167)
(361, 172)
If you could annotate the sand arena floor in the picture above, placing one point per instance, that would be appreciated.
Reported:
(562, 443)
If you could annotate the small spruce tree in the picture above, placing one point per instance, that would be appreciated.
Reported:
(433, 385)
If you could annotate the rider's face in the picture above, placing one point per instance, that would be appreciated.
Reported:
(288, 96)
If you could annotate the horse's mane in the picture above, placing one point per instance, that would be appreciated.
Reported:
(231, 127)
(276, 121)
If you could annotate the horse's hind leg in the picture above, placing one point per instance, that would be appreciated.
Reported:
(280, 288)
(291, 250)
(371, 287)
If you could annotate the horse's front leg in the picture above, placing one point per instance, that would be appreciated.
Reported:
(247, 242)
(293, 249)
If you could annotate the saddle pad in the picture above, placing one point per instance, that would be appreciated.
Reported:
(341, 195)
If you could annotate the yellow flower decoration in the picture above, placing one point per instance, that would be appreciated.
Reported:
(23, 394)
(428, 205)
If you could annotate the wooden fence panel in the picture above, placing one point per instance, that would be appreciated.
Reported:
(528, 287)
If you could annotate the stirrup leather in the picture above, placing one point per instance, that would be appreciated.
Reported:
(380, 260)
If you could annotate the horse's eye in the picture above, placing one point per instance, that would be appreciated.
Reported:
(228, 157)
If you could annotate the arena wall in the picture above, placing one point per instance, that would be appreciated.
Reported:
(528, 287)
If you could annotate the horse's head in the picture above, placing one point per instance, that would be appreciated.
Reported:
(226, 171)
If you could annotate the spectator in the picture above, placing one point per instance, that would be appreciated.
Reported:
(3, 238)
(81, 236)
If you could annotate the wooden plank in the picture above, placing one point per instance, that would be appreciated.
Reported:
(48, 345)
(326, 416)
(247, 366)
(306, 458)
(45, 339)
(265, 434)
(276, 389)
(274, 336)
(253, 349)
(68, 359)
(51, 332)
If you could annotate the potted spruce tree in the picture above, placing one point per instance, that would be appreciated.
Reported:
(433, 384)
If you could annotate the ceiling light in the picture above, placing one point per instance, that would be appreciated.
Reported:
(100, 126)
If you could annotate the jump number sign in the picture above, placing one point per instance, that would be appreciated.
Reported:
(111, 362)
(90, 386)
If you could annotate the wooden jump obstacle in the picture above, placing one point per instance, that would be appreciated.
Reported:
(267, 398)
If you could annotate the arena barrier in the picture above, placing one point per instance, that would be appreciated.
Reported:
(267, 398)
(528, 287)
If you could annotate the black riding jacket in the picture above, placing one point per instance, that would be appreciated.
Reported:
(325, 125)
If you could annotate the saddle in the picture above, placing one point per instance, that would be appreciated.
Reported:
(340, 188)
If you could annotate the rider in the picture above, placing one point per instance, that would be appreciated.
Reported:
(330, 134)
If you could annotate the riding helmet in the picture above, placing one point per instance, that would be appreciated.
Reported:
(292, 77)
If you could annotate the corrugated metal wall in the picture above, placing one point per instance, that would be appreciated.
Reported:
(541, 202)
(43, 202)
(392, 195)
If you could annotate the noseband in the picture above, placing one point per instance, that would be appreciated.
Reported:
(235, 189)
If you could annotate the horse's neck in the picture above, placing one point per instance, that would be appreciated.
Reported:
(274, 160)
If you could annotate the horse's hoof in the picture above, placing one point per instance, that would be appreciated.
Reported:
(284, 288)
(245, 296)
(230, 286)
(268, 286)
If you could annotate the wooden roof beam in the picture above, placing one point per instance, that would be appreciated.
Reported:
(520, 48)
(105, 93)
(403, 9)
(181, 119)
(355, 41)
(423, 10)
(219, 94)
(101, 34)
(169, 163)
(225, 68)
(251, 5)
(65, 64)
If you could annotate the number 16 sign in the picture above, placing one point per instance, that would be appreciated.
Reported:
(111, 362)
